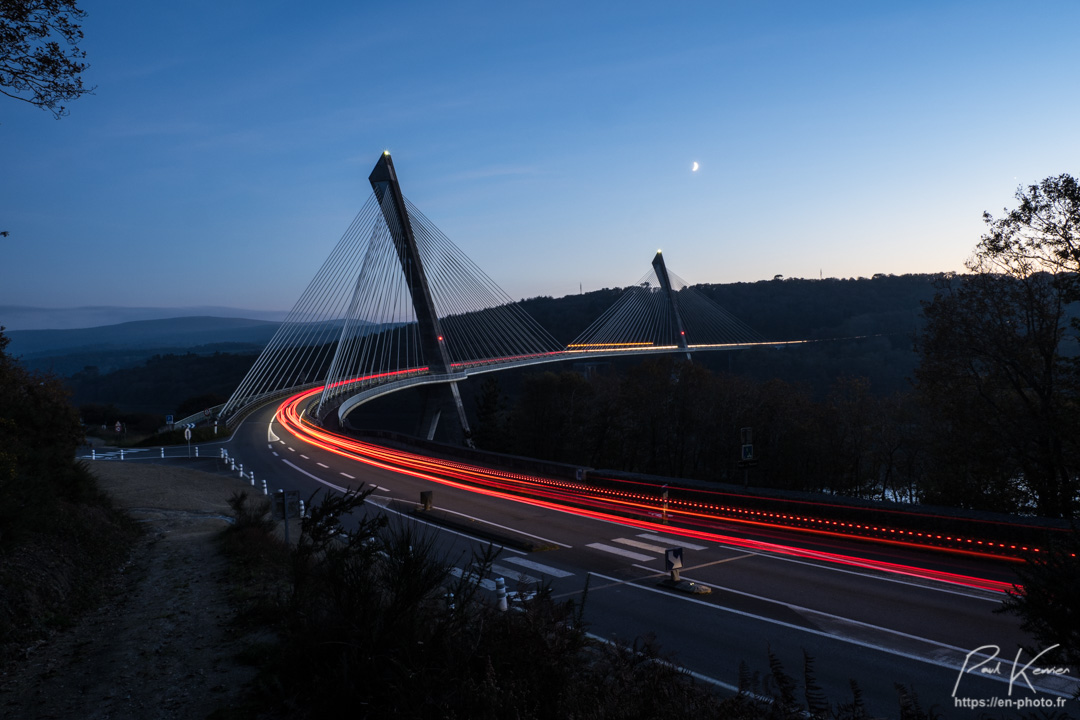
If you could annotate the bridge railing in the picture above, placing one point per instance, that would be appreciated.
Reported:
(257, 401)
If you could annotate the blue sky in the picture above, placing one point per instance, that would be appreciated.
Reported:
(228, 144)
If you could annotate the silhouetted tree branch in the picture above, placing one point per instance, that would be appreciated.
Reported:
(40, 59)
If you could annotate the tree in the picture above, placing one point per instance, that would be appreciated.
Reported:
(1041, 235)
(992, 370)
(1046, 597)
(40, 59)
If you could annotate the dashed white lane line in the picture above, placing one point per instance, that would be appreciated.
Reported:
(323, 466)
(619, 551)
(672, 542)
(304, 456)
(347, 475)
(533, 565)
(275, 453)
(290, 449)
(639, 545)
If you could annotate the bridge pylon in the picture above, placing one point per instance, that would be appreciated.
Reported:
(384, 183)
(673, 302)
(395, 304)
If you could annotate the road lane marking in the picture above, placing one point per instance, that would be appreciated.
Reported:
(869, 574)
(323, 466)
(503, 527)
(347, 475)
(505, 572)
(270, 436)
(304, 456)
(544, 569)
(691, 568)
(290, 448)
(675, 542)
(274, 452)
(619, 551)
(436, 527)
(484, 582)
(639, 545)
(956, 666)
(316, 478)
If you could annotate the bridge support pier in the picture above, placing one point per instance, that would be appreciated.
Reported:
(439, 400)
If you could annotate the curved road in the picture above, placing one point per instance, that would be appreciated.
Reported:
(834, 600)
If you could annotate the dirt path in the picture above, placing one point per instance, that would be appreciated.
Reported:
(161, 647)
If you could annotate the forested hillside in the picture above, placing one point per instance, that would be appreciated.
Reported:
(883, 311)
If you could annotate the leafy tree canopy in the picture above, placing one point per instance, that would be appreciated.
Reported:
(40, 59)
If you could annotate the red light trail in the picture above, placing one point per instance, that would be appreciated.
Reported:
(632, 509)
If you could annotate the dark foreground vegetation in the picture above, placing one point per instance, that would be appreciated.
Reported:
(60, 538)
(370, 622)
(989, 421)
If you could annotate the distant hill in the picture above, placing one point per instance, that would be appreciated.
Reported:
(865, 327)
(111, 347)
(22, 317)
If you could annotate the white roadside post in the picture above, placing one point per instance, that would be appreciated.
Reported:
(500, 593)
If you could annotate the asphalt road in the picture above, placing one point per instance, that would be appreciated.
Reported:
(941, 640)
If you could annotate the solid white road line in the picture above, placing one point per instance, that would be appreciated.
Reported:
(936, 659)
(316, 478)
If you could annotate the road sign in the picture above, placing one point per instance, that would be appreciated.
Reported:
(673, 562)
(187, 433)
(747, 452)
(206, 412)
(169, 420)
(119, 427)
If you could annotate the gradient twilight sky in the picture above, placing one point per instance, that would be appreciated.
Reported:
(228, 144)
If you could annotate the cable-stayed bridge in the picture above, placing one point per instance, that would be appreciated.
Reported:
(397, 304)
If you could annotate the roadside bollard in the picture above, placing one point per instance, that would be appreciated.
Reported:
(450, 601)
(252, 475)
(242, 470)
(121, 453)
(302, 511)
(232, 463)
(265, 491)
(162, 452)
(500, 593)
(196, 451)
(93, 454)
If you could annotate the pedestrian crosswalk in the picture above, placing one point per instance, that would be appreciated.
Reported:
(517, 576)
(522, 571)
(648, 542)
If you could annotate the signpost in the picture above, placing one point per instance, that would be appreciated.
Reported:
(673, 562)
(747, 459)
(187, 436)
(287, 505)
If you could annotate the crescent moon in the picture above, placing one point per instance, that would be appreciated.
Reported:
(696, 166)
